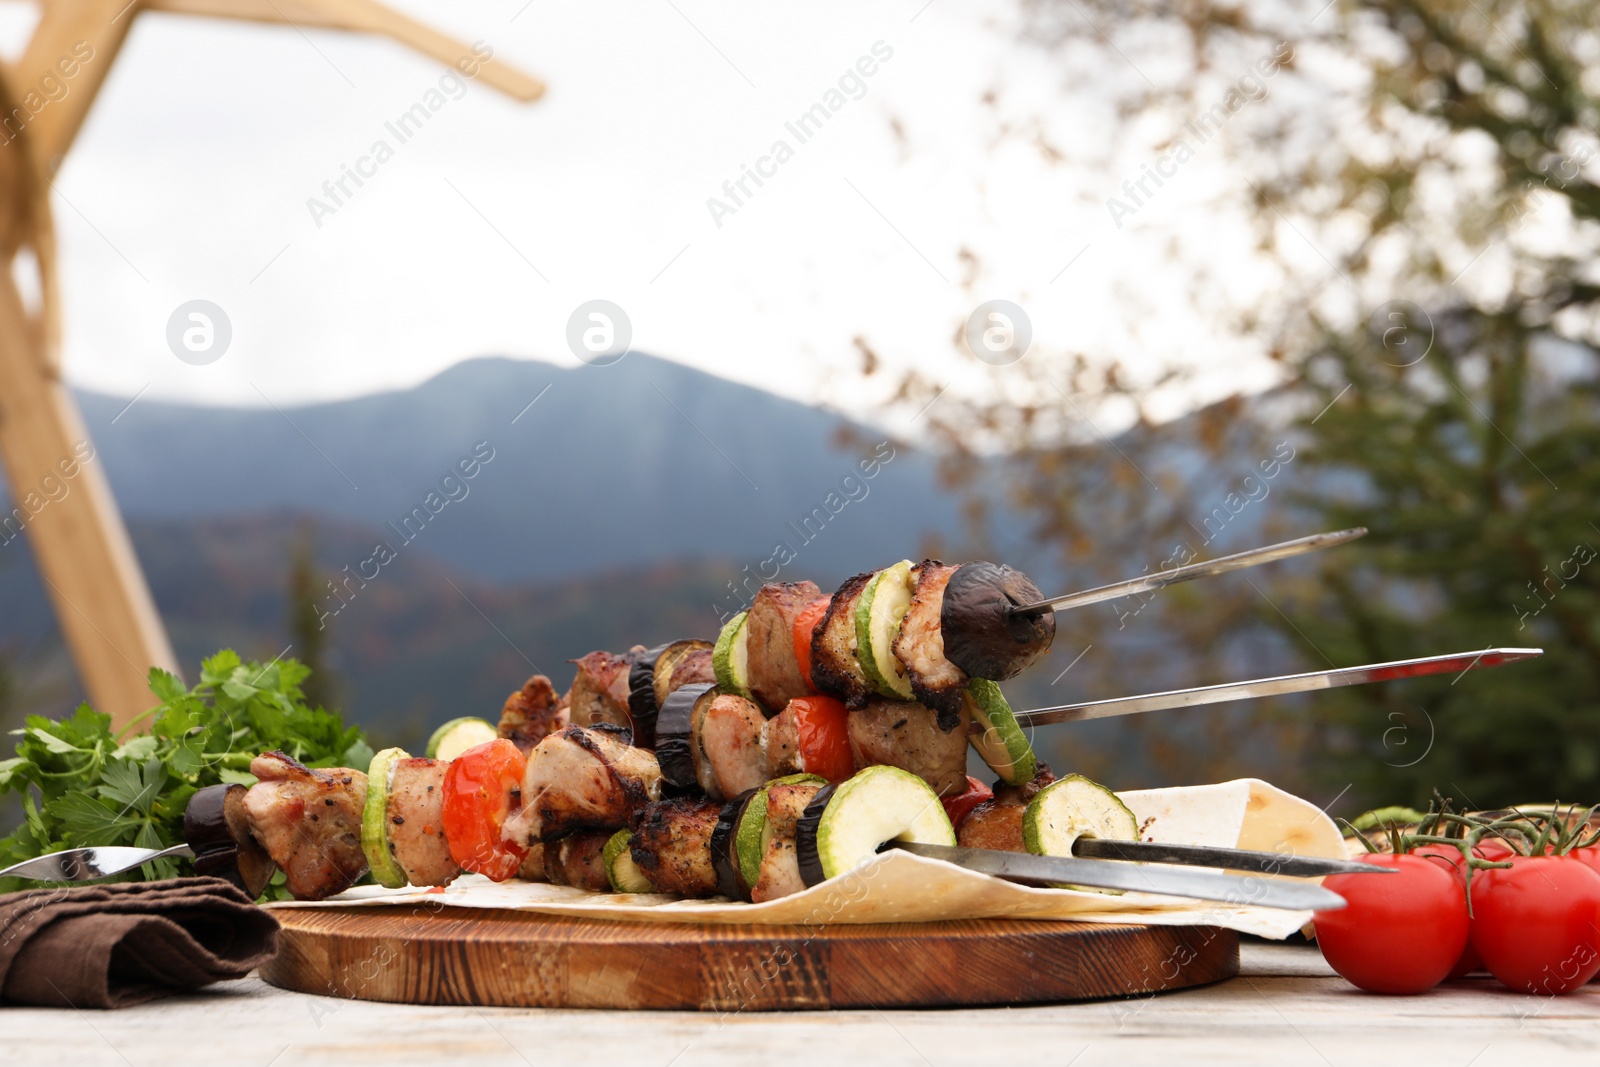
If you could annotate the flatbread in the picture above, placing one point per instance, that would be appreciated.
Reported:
(897, 886)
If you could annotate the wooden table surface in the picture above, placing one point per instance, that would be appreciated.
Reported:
(1285, 1008)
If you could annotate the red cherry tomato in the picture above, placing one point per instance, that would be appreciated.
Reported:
(478, 788)
(1589, 857)
(1536, 924)
(821, 723)
(1401, 933)
(960, 806)
(804, 623)
(1468, 961)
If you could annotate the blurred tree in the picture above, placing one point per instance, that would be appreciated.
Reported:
(1421, 180)
(307, 627)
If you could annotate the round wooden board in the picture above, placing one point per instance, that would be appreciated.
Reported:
(525, 959)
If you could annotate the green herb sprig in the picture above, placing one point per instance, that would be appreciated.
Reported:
(82, 785)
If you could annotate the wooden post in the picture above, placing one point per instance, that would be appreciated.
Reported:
(60, 499)
(79, 542)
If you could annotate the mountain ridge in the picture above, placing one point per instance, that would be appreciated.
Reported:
(635, 463)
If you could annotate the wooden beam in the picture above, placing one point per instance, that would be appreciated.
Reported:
(79, 542)
(363, 16)
(83, 36)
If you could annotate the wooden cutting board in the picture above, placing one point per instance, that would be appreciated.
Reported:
(525, 959)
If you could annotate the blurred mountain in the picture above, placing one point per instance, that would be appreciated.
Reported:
(592, 468)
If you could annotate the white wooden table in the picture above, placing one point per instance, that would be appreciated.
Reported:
(1285, 1008)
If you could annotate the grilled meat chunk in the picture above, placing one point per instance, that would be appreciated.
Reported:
(309, 822)
(532, 713)
(577, 860)
(919, 647)
(997, 823)
(416, 825)
(532, 869)
(599, 690)
(672, 846)
(783, 745)
(728, 753)
(911, 736)
(833, 646)
(780, 865)
(769, 641)
(583, 778)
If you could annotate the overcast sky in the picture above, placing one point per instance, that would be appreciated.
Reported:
(490, 225)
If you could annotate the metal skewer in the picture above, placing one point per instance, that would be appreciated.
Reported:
(1142, 878)
(1222, 565)
(1231, 859)
(1279, 686)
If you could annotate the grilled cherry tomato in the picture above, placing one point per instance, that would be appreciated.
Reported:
(479, 790)
(1401, 933)
(960, 806)
(821, 723)
(806, 621)
(1536, 924)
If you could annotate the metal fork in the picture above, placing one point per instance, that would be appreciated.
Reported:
(88, 864)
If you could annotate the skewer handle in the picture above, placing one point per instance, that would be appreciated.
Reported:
(1238, 561)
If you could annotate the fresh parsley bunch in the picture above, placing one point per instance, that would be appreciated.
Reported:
(81, 785)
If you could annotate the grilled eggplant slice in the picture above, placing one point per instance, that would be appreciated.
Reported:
(683, 663)
(724, 859)
(217, 829)
(675, 739)
(981, 635)
(642, 706)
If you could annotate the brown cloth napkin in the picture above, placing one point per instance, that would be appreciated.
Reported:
(108, 946)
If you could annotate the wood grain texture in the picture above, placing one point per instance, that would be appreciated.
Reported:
(524, 959)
